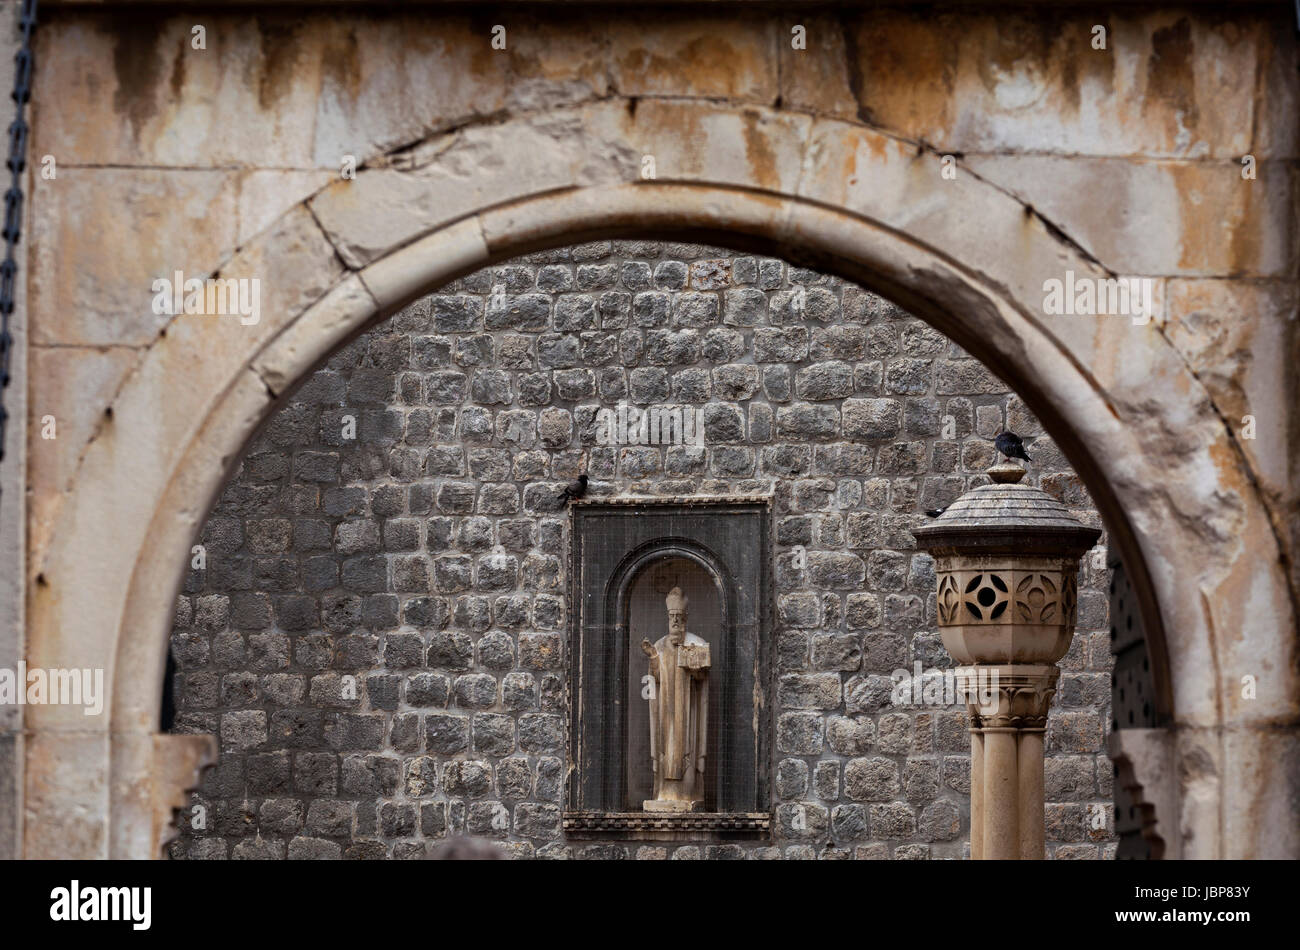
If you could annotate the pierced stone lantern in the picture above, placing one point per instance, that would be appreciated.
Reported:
(1006, 558)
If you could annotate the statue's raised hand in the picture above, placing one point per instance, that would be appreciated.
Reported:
(648, 648)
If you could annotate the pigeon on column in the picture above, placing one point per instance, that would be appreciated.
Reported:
(1009, 444)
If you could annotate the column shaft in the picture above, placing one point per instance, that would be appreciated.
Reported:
(1031, 818)
(976, 794)
(1001, 795)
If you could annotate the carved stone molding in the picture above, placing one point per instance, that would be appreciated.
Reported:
(595, 824)
(1144, 769)
(179, 762)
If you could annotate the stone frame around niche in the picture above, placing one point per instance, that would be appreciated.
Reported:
(612, 542)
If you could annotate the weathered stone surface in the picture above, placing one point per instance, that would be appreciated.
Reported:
(1037, 98)
(654, 55)
(1108, 214)
(140, 477)
(107, 299)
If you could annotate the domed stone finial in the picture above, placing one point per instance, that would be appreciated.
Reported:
(1006, 473)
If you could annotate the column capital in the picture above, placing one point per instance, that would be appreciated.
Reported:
(1010, 696)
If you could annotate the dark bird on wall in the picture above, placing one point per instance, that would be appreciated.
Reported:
(1009, 444)
(935, 512)
(573, 490)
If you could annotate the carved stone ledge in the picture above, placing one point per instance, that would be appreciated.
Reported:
(665, 825)
(698, 501)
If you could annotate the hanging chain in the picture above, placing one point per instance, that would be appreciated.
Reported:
(16, 163)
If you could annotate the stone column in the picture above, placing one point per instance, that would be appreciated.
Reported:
(976, 793)
(1006, 556)
(1008, 731)
(1001, 812)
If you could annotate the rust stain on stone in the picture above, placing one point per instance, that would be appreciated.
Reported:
(876, 144)
(707, 63)
(1171, 77)
(913, 73)
(1226, 463)
(1045, 46)
(458, 36)
(341, 60)
(1192, 222)
(280, 49)
(178, 71)
(1016, 43)
(484, 63)
(924, 49)
(137, 67)
(1100, 67)
(1218, 223)
(850, 172)
(1070, 83)
(758, 151)
(855, 140)
(1080, 64)
(1244, 247)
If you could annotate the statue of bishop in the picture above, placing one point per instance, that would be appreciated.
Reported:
(679, 712)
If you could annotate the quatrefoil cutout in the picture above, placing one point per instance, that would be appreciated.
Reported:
(1036, 600)
(986, 596)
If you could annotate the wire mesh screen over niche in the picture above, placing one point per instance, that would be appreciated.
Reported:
(634, 566)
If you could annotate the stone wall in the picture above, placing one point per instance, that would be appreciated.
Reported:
(377, 558)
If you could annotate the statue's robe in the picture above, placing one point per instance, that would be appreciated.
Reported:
(677, 708)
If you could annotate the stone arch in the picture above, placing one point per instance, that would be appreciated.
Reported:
(1176, 492)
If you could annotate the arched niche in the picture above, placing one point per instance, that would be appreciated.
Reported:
(642, 613)
(617, 546)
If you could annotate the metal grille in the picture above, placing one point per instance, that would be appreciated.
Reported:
(1132, 687)
(17, 163)
(1132, 701)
